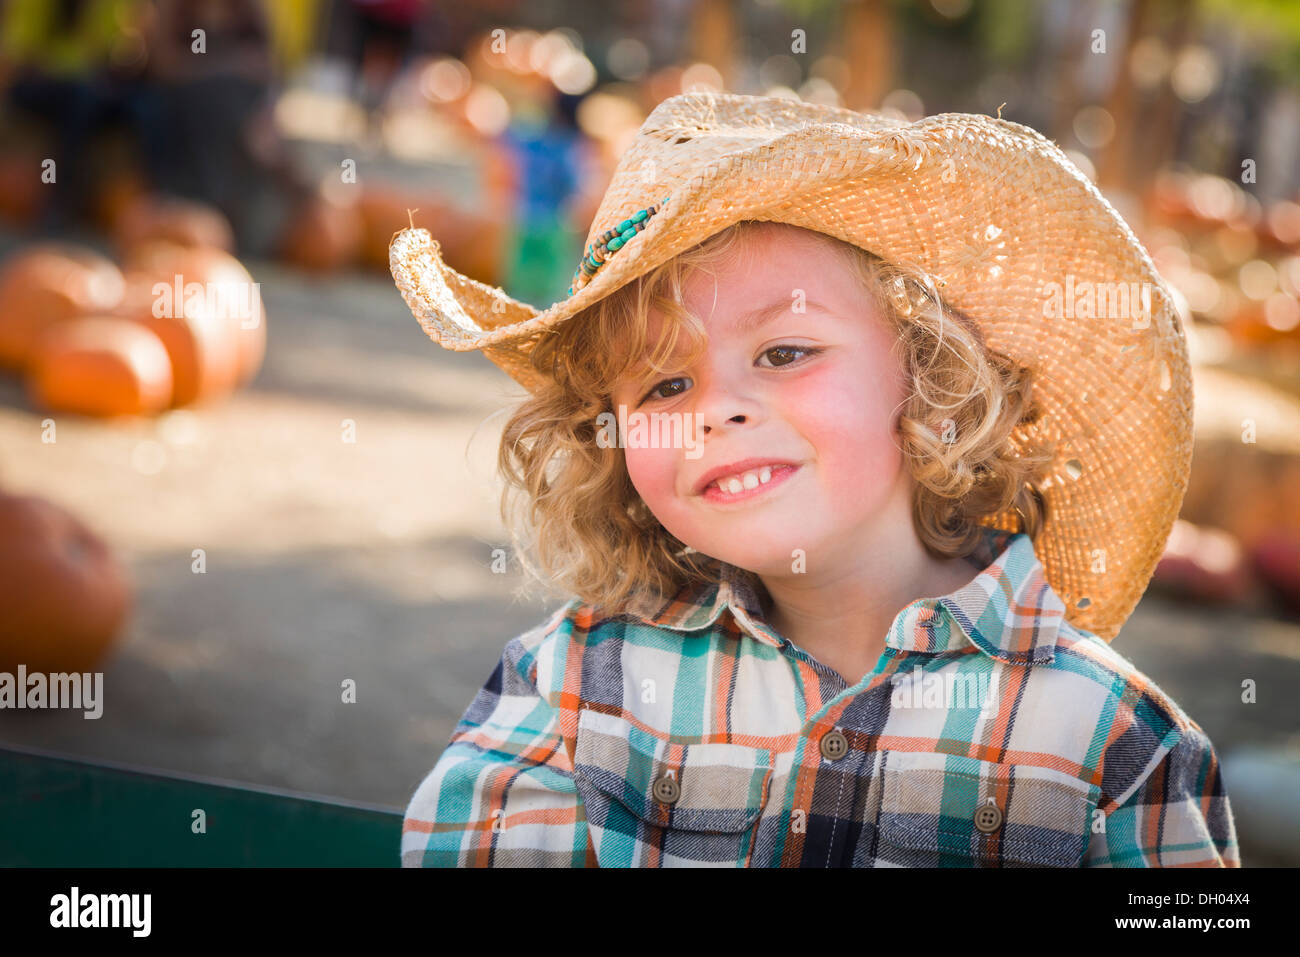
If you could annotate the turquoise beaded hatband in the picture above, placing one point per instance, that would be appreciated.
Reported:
(611, 241)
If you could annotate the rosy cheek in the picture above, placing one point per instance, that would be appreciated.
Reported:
(826, 408)
(652, 472)
(848, 422)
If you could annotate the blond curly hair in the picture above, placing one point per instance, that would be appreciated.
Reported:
(577, 522)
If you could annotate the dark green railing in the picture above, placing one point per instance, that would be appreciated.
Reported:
(57, 811)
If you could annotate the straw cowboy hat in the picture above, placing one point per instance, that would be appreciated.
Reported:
(1013, 234)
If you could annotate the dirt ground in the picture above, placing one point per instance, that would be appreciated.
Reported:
(329, 560)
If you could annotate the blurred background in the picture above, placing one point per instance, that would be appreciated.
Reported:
(235, 519)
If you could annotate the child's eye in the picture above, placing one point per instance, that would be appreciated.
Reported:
(653, 393)
(787, 350)
(779, 350)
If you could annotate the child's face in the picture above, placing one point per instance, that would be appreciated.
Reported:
(829, 413)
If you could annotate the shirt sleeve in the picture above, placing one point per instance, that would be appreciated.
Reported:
(502, 793)
(1178, 816)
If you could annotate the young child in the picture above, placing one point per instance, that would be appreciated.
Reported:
(855, 460)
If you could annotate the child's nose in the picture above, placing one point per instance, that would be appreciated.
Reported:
(738, 418)
(725, 398)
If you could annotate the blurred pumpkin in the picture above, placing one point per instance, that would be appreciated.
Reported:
(1254, 324)
(472, 244)
(238, 304)
(383, 212)
(1248, 325)
(150, 256)
(101, 366)
(475, 245)
(65, 595)
(184, 222)
(48, 283)
(22, 194)
(229, 300)
(204, 353)
(323, 236)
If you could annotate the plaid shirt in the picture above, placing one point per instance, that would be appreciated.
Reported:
(990, 733)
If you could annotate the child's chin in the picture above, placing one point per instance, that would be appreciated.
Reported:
(769, 557)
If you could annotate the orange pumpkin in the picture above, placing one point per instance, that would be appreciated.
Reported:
(48, 283)
(324, 236)
(238, 302)
(180, 221)
(473, 244)
(152, 256)
(203, 354)
(1250, 328)
(101, 366)
(22, 194)
(65, 595)
(225, 307)
(384, 212)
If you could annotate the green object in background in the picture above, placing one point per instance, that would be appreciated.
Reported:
(542, 255)
(62, 812)
(32, 33)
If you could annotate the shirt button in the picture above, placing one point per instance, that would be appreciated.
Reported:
(834, 745)
(988, 817)
(666, 790)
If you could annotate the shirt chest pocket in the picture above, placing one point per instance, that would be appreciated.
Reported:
(941, 810)
(653, 802)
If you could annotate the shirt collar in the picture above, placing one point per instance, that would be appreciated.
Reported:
(1008, 610)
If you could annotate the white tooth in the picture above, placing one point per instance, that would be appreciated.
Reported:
(751, 480)
(733, 485)
(765, 475)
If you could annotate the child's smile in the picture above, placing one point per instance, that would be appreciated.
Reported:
(748, 480)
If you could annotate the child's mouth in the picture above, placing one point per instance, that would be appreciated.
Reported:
(749, 486)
